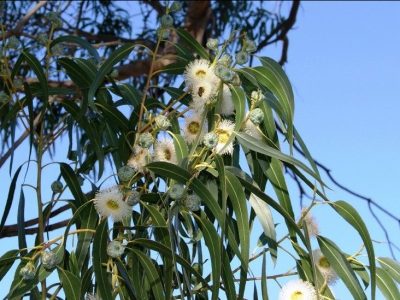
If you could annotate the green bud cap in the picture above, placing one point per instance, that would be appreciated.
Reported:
(57, 186)
(126, 173)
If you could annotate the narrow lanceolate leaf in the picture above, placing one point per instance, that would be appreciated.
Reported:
(77, 40)
(264, 216)
(354, 219)
(151, 273)
(10, 199)
(71, 284)
(212, 241)
(89, 220)
(261, 147)
(391, 266)
(252, 187)
(264, 291)
(340, 264)
(276, 80)
(6, 262)
(114, 117)
(38, 70)
(21, 222)
(239, 101)
(386, 284)
(72, 182)
(179, 174)
(106, 68)
(181, 147)
(239, 204)
(187, 39)
(99, 258)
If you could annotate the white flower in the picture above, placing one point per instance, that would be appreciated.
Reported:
(324, 266)
(224, 131)
(193, 127)
(164, 150)
(298, 290)
(199, 70)
(252, 130)
(312, 226)
(204, 91)
(226, 107)
(139, 159)
(110, 202)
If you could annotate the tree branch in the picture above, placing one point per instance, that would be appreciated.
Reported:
(20, 25)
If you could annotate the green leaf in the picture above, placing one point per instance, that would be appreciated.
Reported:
(151, 273)
(275, 79)
(6, 262)
(188, 40)
(238, 202)
(179, 174)
(260, 147)
(239, 101)
(71, 284)
(391, 266)
(106, 68)
(10, 199)
(76, 73)
(264, 290)
(21, 222)
(99, 258)
(252, 187)
(264, 216)
(354, 219)
(88, 220)
(72, 182)
(340, 264)
(77, 40)
(114, 117)
(38, 70)
(91, 132)
(386, 284)
(212, 241)
(180, 145)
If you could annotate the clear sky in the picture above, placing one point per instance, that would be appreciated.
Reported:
(344, 66)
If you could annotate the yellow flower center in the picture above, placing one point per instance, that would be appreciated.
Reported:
(112, 204)
(324, 263)
(194, 127)
(201, 73)
(223, 136)
(297, 295)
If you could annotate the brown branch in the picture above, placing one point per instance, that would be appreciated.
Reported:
(156, 5)
(10, 232)
(197, 18)
(20, 25)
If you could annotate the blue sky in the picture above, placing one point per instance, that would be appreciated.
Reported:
(344, 66)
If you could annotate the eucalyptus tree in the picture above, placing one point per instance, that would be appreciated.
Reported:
(170, 135)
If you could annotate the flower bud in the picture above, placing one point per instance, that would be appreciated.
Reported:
(114, 74)
(210, 140)
(257, 96)
(242, 57)
(166, 21)
(115, 249)
(132, 198)
(177, 191)
(126, 173)
(49, 260)
(146, 140)
(57, 186)
(249, 46)
(175, 6)
(212, 44)
(162, 122)
(225, 60)
(54, 19)
(256, 116)
(28, 271)
(13, 42)
(192, 202)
